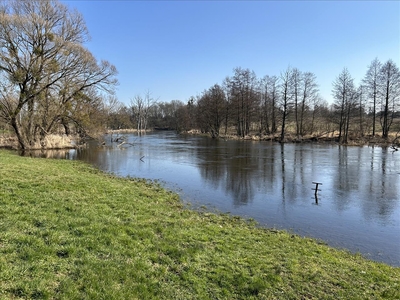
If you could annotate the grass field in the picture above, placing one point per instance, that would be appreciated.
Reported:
(69, 231)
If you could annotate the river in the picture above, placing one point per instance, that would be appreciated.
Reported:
(357, 207)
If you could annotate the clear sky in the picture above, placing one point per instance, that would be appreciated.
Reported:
(177, 49)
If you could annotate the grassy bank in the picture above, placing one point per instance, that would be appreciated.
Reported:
(68, 231)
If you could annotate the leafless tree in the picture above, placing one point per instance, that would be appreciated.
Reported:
(389, 81)
(226, 87)
(244, 99)
(211, 108)
(320, 114)
(141, 107)
(45, 68)
(170, 115)
(309, 95)
(361, 108)
(286, 99)
(192, 110)
(268, 97)
(370, 83)
(296, 82)
(113, 107)
(344, 93)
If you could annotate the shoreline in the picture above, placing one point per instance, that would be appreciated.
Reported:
(363, 141)
(70, 142)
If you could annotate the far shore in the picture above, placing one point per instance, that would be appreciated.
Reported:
(8, 141)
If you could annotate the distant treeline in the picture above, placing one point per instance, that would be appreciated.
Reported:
(280, 106)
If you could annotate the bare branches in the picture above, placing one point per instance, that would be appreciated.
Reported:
(141, 107)
(389, 78)
(43, 61)
(344, 93)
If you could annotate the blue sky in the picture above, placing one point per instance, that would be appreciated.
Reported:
(177, 49)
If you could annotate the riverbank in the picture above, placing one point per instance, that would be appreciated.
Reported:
(71, 231)
(58, 141)
(52, 141)
(67, 142)
(322, 138)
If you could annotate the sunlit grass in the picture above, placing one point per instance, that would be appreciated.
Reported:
(69, 231)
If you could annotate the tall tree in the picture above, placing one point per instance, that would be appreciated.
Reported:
(112, 108)
(351, 110)
(296, 82)
(361, 108)
(45, 68)
(274, 83)
(389, 78)
(244, 99)
(309, 94)
(320, 114)
(181, 116)
(269, 94)
(264, 106)
(140, 107)
(371, 84)
(120, 118)
(211, 108)
(191, 107)
(226, 87)
(286, 98)
(343, 93)
(137, 111)
(171, 115)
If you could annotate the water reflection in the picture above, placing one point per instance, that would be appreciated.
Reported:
(56, 154)
(229, 166)
(358, 206)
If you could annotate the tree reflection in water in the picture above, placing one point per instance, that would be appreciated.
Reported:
(358, 207)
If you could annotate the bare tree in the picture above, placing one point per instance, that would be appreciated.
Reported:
(351, 109)
(112, 107)
(361, 108)
(268, 95)
(309, 94)
(343, 92)
(371, 82)
(141, 107)
(120, 118)
(286, 98)
(171, 115)
(191, 107)
(389, 78)
(45, 68)
(226, 87)
(296, 82)
(211, 107)
(244, 99)
(137, 109)
(181, 116)
(319, 115)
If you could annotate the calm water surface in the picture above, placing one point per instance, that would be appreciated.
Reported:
(358, 206)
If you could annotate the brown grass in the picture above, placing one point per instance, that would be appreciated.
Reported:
(52, 141)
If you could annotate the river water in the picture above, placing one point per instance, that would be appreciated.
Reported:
(358, 207)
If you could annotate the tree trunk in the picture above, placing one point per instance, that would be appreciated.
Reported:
(17, 131)
(374, 114)
(385, 126)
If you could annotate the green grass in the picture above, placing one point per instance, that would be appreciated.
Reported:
(68, 231)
